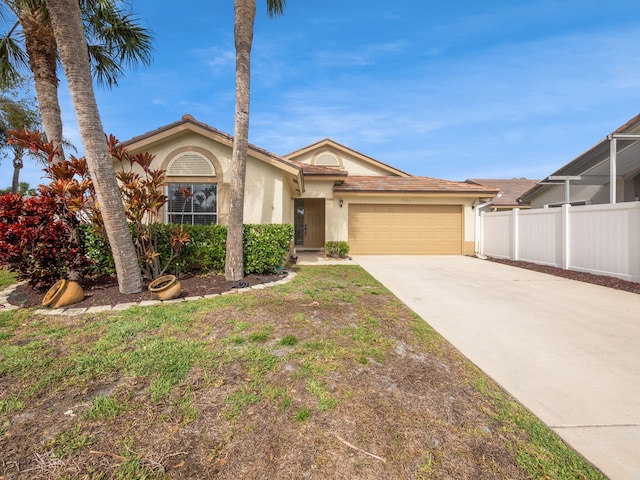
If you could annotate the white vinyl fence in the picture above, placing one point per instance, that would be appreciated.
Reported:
(600, 239)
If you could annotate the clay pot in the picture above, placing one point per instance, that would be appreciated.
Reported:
(63, 293)
(165, 287)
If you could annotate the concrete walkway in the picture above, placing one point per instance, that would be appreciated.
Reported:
(568, 351)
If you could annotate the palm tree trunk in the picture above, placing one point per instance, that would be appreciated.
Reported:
(72, 45)
(41, 49)
(245, 12)
(17, 166)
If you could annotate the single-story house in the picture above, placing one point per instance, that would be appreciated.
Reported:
(326, 190)
(609, 172)
(510, 191)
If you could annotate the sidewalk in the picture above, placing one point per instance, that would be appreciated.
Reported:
(319, 258)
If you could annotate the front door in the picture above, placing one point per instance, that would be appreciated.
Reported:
(309, 222)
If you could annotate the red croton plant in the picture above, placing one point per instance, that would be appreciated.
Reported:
(38, 235)
(142, 189)
(35, 239)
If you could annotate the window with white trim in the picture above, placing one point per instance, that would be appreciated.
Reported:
(192, 203)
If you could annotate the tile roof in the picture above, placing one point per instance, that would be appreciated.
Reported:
(511, 189)
(410, 185)
(186, 118)
(321, 171)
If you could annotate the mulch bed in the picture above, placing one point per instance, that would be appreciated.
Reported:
(104, 290)
(602, 280)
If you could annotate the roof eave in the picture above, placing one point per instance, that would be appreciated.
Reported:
(457, 193)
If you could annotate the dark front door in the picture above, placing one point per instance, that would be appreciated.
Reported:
(309, 222)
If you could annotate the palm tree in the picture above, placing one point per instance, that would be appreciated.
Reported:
(112, 35)
(70, 39)
(244, 15)
(17, 115)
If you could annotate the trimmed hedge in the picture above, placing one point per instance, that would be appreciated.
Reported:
(206, 248)
(265, 248)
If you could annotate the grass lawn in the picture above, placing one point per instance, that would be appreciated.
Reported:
(6, 278)
(327, 377)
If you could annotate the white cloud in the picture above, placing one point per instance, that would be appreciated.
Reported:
(356, 56)
(220, 60)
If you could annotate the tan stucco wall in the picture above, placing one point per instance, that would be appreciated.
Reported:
(264, 190)
(318, 189)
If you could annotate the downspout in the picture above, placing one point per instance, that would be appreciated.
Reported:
(477, 225)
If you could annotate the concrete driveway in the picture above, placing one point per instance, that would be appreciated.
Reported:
(568, 351)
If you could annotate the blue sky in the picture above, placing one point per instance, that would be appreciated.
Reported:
(454, 90)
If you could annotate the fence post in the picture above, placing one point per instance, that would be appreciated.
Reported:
(480, 234)
(516, 239)
(566, 249)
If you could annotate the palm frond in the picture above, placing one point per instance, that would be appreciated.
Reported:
(104, 67)
(116, 40)
(275, 7)
(13, 60)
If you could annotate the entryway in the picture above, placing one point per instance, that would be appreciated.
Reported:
(309, 223)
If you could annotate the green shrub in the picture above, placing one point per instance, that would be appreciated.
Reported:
(266, 247)
(206, 248)
(337, 249)
(96, 247)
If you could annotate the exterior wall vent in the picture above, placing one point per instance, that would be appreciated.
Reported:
(327, 159)
(190, 164)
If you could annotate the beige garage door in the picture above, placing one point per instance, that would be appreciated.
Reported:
(405, 229)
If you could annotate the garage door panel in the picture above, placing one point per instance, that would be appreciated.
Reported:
(405, 229)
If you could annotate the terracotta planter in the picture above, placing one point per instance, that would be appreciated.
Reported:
(165, 287)
(63, 293)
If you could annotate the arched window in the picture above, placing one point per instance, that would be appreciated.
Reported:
(190, 201)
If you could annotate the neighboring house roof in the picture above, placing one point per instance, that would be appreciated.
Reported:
(327, 142)
(593, 165)
(189, 124)
(380, 184)
(511, 189)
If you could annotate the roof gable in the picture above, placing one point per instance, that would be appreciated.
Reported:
(369, 164)
(188, 124)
